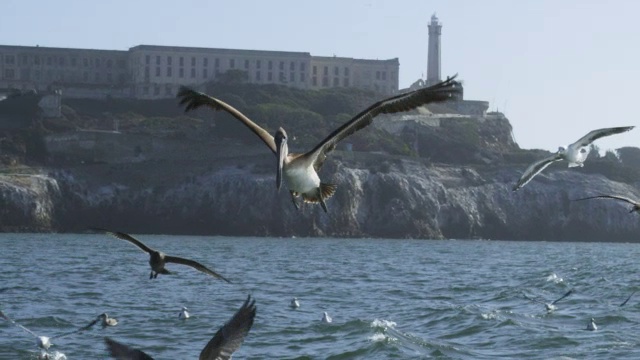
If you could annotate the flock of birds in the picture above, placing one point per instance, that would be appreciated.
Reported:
(300, 174)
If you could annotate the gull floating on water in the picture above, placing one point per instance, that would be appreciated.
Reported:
(575, 153)
(551, 306)
(628, 298)
(158, 259)
(326, 318)
(591, 326)
(294, 303)
(44, 342)
(635, 206)
(223, 344)
(107, 321)
(300, 171)
(184, 314)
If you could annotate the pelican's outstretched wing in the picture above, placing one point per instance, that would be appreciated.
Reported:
(562, 297)
(194, 264)
(622, 198)
(129, 238)
(194, 99)
(2, 315)
(123, 352)
(534, 169)
(597, 134)
(88, 326)
(442, 91)
(229, 338)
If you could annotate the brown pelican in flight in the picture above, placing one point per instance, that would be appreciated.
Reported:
(158, 259)
(635, 206)
(575, 153)
(44, 342)
(223, 344)
(300, 171)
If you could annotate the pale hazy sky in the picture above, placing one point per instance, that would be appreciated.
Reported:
(557, 69)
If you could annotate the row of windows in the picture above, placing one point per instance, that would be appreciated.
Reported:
(325, 81)
(232, 63)
(63, 61)
(10, 74)
(336, 71)
(205, 74)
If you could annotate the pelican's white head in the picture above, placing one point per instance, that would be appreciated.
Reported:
(282, 150)
(44, 342)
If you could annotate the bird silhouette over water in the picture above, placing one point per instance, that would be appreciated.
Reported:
(224, 343)
(551, 306)
(158, 259)
(300, 171)
(44, 342)
(575, 154)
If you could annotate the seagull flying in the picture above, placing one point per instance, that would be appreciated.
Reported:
(575, 153)
(44, 342)
(158, 259)
(223, 344)
(551, 306)
(635, 206)
(629, 298)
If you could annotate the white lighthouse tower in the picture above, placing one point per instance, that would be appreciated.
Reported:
(433, 59)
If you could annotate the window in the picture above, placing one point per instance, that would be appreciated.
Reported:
(205, 62)
(61, 61)
(85, 62)
(301, 77)
(269, 76)
(384, 75)
(74, 62)
(315, 70)
(345, 82)
(181, 61)
(302, 66)
(146, 73)
(258, 63)
(147, 59)
(169, 71)
(217, 63)
(281, 65)
(193, 73)
(24, 60)
(258, 75)
(377, 75)
(326, 71)
(232, 63)
(346, 71)
(246, 64)
(11, 59)
(156, 90)
(281, 77)
(145, 90)
(336, 71)
(169, 60)
(325, 81)
(193, 61)
(157, 59)
(97, 62)
(270, 65)
(109, 63)
(36, 60)
(167, 90)
(292, 66)
(204, 73)
(157, 70)
(181, 73)
(49, 60)
(292, 76)
(336, 81)
(314, 81)
(9, 74)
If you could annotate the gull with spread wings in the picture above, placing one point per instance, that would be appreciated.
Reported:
(224, 343)
(552, 305)
(635, 206)
(158, 259)
(575, 154)
(44, 342)
(300, 171)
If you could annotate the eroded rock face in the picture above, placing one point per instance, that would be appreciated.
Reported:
(398, 198)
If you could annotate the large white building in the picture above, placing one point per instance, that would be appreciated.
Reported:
(152, 72)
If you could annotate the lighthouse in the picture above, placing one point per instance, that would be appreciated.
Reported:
(433, 59)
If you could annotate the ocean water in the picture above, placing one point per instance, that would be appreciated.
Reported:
(389, 299)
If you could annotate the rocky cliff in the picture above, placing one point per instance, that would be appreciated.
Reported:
(377, 196)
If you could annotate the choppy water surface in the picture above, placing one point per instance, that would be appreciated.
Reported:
(389, 299)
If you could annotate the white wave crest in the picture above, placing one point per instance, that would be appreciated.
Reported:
(383, 324)
(555, 278)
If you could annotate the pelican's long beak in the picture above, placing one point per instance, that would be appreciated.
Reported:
(281, 146)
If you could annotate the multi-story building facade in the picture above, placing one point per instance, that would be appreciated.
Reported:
(151, 72)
